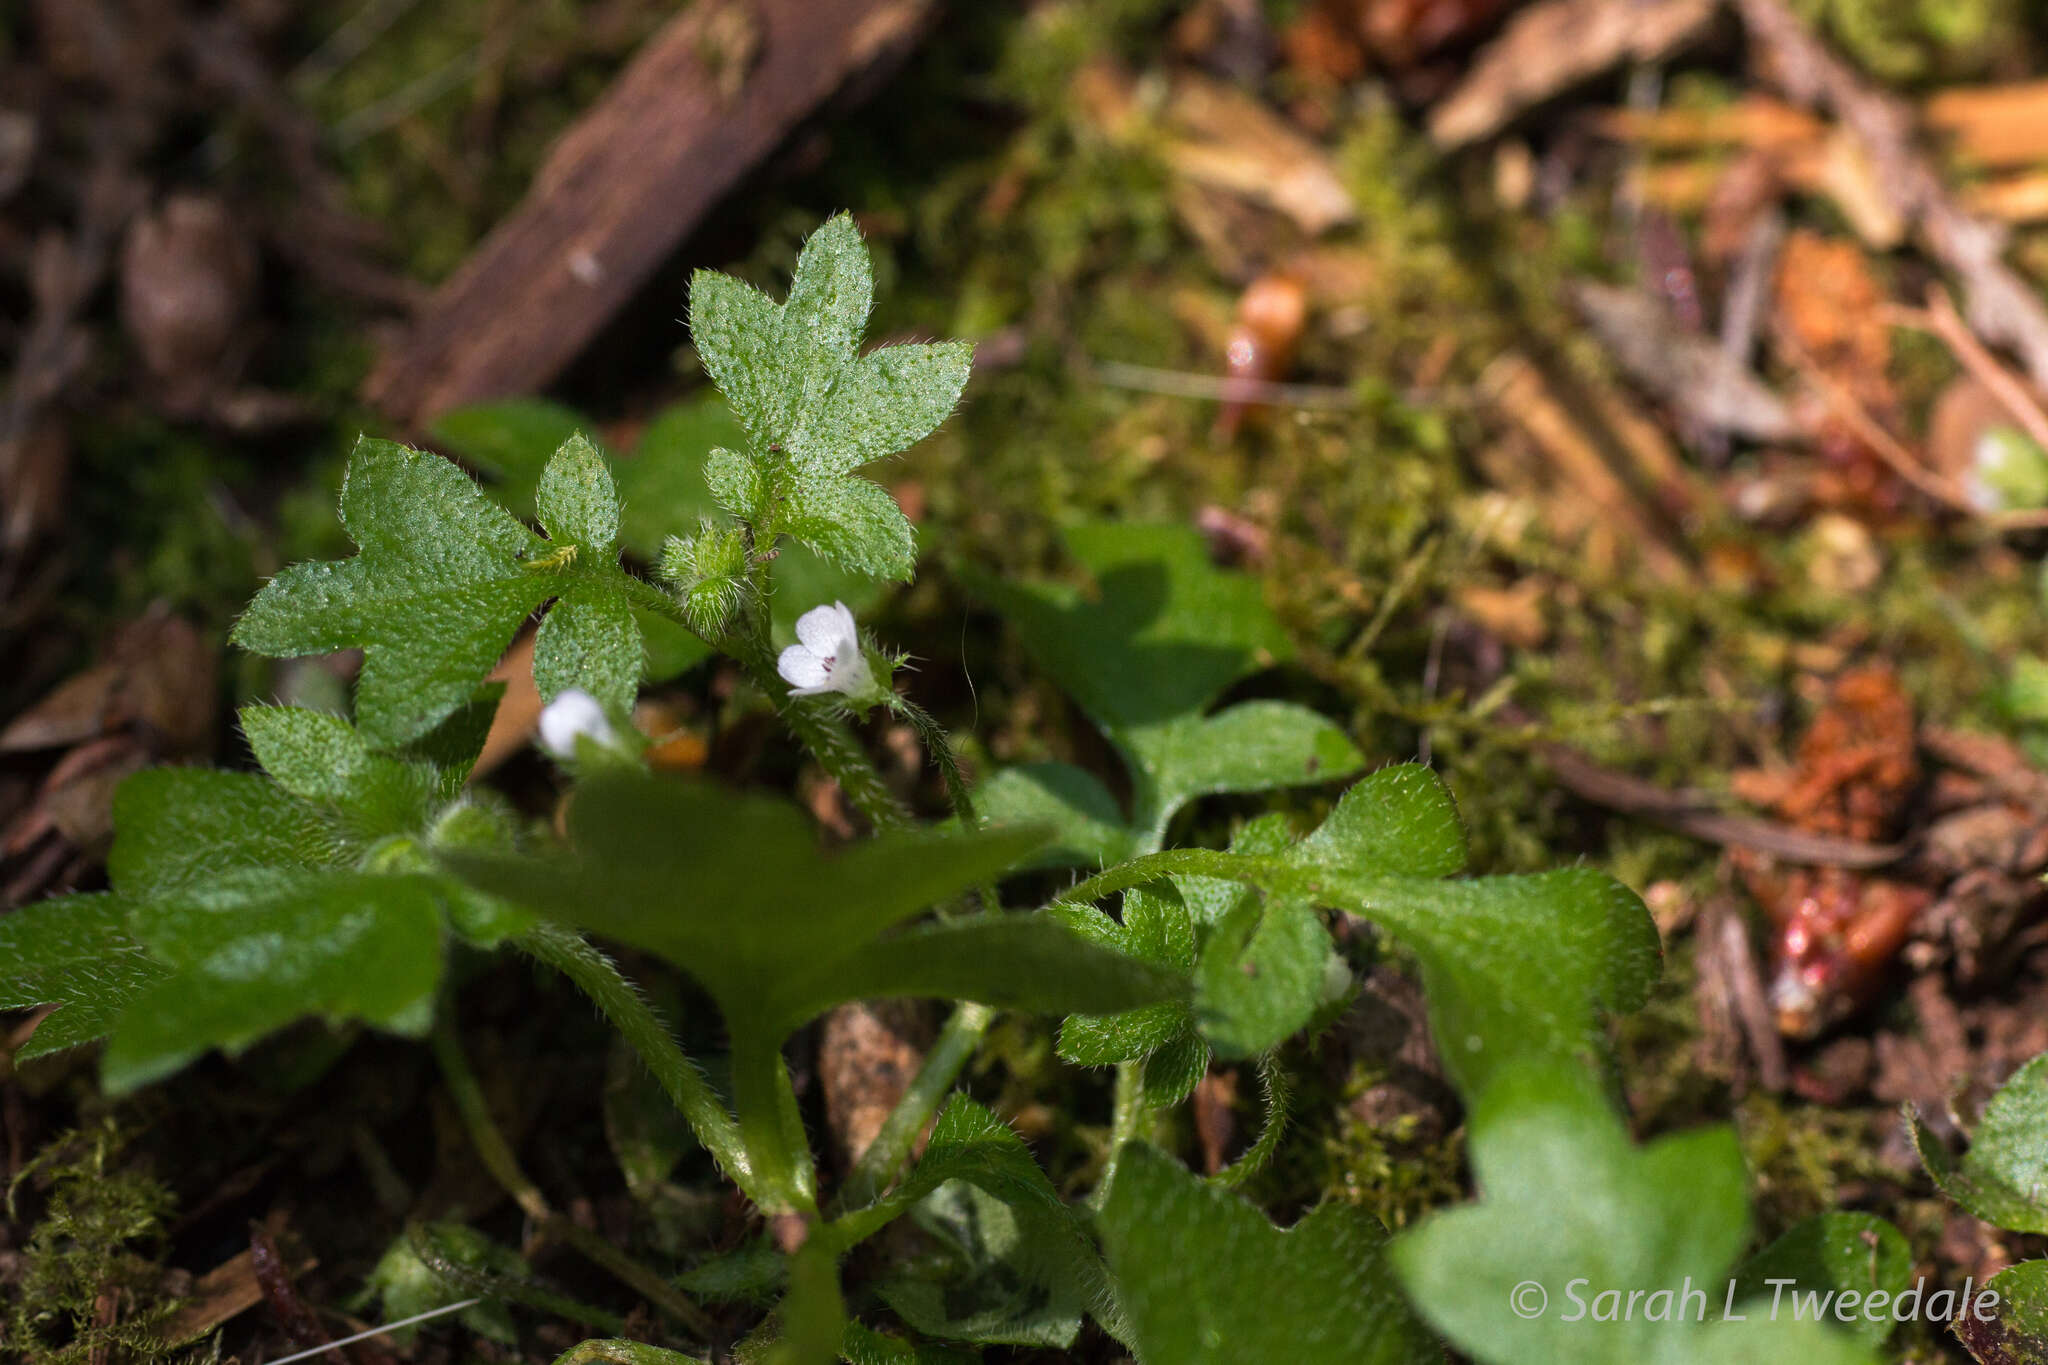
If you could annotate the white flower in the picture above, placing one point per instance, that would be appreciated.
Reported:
(572, 713)
(828, 657)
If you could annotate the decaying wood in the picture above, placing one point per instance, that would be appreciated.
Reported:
(1552, 46)
(2000, 304)
(708, 97)
(1735, 1011)
(228, 1289)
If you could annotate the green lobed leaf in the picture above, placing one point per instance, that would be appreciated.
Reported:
(576, 499)
(320, 757)
(1087, 828)
(404, 1285)
(1154, 928)
(1397, 822)
(1023, 1268)
(1146, 652)
(665, 486)
(1266, 965)
(814, 408)
(735, 891)
(255, 950)
(2003, 1177)
(1004, 1273)
(1263, 975)
(1204, 1277)
(1851, 1257)
(970, 1144)
(1023, 962)
(1517, 970)
(74, 952)
(852, 522)
(180, 826)
(267, 899)
(442, 580)
(2013, 1328)
(1160, 633)
(1253, 746)
(1572, 1211)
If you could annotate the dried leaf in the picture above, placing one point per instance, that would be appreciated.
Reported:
(1552, 46)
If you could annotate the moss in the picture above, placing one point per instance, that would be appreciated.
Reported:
(90, 1286)
(442, 119)
(1911, 40)
(1802, 1156)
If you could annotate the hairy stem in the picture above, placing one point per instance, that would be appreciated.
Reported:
(484, 1134)
(1126, 1124)
(884, 1158)
(941, 749)
(827, 738)
(1279, 1093)
(622, 1005)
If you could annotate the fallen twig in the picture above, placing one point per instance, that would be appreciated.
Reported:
(1116, 374)
(704, 101)
(1942, 319)
(1691, 813)
(1893, 452)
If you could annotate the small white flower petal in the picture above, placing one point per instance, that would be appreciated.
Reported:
(851, 674)
(803, 670)
(826, 630)
(572, 713)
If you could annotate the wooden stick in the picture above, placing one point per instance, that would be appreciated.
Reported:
(705, 100)
(2009, 389)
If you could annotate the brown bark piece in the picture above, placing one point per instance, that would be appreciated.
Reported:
(704, 101)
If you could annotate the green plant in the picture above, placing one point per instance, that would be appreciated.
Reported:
(2003, 1179)
(331, 882)
(86, 1290)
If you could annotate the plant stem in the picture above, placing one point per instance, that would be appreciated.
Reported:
(827, 737)
(484, 1134)
(878, 1165)
(1126, 1123)
(503, 1164)
(934, 737)
(627, 1011)
(1278, 1093)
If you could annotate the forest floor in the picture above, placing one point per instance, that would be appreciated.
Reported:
(1608, 394)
